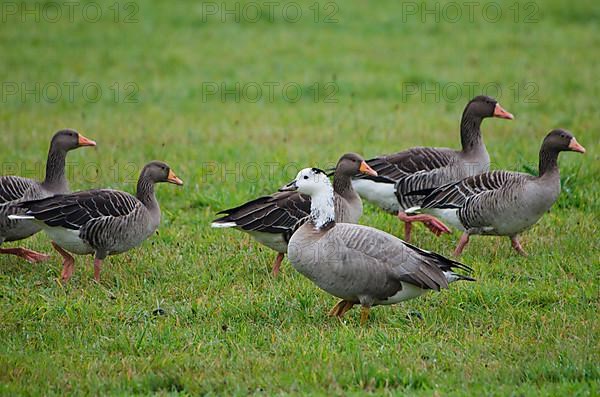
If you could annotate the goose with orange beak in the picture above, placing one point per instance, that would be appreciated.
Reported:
(100, 222)
(502, 203)
(421, 168)
(14, 189)
(273, 219)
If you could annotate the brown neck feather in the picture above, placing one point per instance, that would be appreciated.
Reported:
(548, 161)
(342, 184)
(145, 191)
(470, 132)
(55, 169)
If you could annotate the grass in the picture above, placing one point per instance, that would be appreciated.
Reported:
(194, 310)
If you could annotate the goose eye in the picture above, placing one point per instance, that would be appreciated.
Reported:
(305, 177)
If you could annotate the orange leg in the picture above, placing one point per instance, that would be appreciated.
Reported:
(464, 240)
(517, 245)
(97, 265)
(68, 263)
(28, 255)
(277, 263)
(341, 308)
(364, 314)
(436, 226)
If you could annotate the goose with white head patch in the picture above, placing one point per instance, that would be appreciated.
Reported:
(272, 219)
(360, 264)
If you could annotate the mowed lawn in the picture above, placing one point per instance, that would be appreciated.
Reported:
(195, 310)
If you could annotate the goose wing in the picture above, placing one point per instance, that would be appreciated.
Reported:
(398, 165)
(281, 212)
(73, 211)
(455, 195)
(381, 251)
(14, 188)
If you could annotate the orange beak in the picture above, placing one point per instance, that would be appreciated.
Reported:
(365, 169)
(501, 113)
(575, 146)
(172, 178)
(83, 141)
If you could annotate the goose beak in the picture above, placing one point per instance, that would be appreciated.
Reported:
(575, 146)
(172, 178)
(83, 141)
(501, 113)
(365, 169)
(290, 187)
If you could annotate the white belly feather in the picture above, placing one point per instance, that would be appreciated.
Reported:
(275, 241)
(381, 194)
(408, 291)
(69, 240)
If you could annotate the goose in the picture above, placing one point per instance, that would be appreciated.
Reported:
(15, 189)
(272, 219)
(502, 203)
(360, 264)
(426, 167)
(101, 222)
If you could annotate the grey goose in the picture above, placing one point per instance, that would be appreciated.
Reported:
(360, 264)
(427, 167)
(272, 219)
(15, 189)
(101, 222)
(502, 203)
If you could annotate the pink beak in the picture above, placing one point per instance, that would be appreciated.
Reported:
(575, 146)
(501, 113)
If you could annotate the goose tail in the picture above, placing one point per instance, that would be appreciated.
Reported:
(20, 217)
(221, 225)
(413, 210)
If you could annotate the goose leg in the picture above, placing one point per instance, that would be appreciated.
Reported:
(337, 308)
(97, 265)
(407, 230)
(347, 307)
(364, 314)
(341, 308)
(464, 240)
(68, 263)
(28, 255)
(436, 226)
(517, 245)
(277, 263)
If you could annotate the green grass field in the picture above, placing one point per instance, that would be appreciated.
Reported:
(375, 78)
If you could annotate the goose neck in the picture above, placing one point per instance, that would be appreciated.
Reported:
(470, 132)
(145, 192)
(55, 170)
(548, 162)
(322, 210)
(342, 184)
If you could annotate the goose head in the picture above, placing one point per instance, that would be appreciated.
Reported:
(310, 181)
(315, 183)
(483, 106)
(351, 164)
(157, 171)
(68, 139)
(560, 140)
